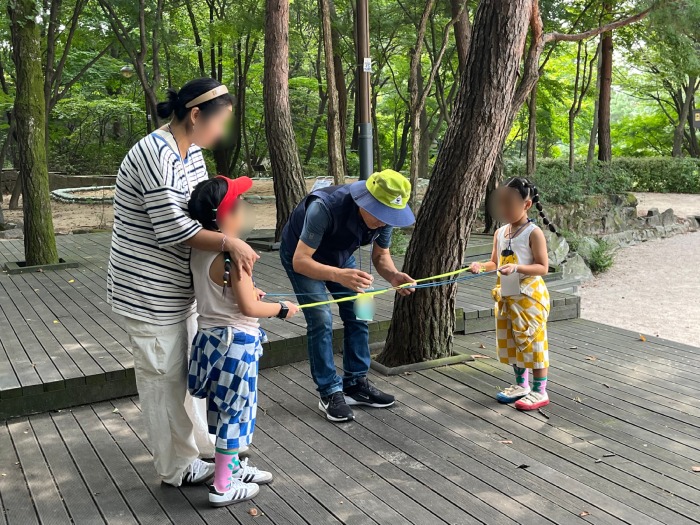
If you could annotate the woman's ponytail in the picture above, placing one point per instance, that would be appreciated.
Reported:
(167, 108)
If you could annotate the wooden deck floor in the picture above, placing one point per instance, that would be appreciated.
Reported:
(61, 345)
(618, 446)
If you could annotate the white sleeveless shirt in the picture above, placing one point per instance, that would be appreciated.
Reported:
(215, 308)
(520, 244)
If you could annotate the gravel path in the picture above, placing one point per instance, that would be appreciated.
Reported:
(652, 288)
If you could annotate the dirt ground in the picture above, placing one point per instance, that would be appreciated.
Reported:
(70, 217)
(682, 204)
(653, 287)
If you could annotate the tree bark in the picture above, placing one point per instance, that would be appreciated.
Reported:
(679, 133)
(287, 173)
(606, 65)
(594, 126)
(336, 168)
(30, 114)
(340, 86)
(197, 37)
(531, 151)
(462, 30)
(403, 145)
(490, 223)
(423, 324)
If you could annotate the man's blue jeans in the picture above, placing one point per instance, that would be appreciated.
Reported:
(319, 322)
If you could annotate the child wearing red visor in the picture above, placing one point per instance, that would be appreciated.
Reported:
(225, 352)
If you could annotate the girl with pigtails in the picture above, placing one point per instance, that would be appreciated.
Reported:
(522, 300)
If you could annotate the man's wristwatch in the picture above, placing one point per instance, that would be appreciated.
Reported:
(284, 310)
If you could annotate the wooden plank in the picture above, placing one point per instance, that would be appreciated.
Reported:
(105, 493)
(442, 477)
(15, 499)
(605, 478)
(45, 495)
(412, 500)
(75, 495)
(408, 418)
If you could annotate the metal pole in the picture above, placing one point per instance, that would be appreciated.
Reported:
(364, 65)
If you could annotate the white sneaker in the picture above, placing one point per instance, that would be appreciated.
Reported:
(237, 492)
(198, 472)
(512, 393)
(532, 401)
(248, 474)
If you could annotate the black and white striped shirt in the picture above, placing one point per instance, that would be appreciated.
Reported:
(149, 266)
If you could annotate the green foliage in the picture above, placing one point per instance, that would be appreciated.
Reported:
(558, 185)
(399, 242)
(601, 257)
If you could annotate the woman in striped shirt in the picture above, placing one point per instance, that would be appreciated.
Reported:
(149, 281)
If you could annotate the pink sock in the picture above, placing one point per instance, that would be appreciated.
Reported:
(226, 463)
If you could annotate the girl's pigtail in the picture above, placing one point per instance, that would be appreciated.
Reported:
(227, 271)
(535, 194)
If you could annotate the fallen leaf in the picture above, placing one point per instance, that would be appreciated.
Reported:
(481, 345)
(40, 270)
(584, 513)
(642, 338)
(506, 442)
(573, 347)
(253, 511)
(55, 321)
(696, 469)
(524, 466)
(71, 281)
(606, 385)
(542, 412)
(578, 399)
(115, 411)
(598, 460)
(407, 373)
(591, 358)
(480, 356)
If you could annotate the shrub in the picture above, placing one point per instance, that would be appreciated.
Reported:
(559, 185)
(601, 257)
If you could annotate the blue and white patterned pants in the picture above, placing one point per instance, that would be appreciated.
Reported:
(224, 370)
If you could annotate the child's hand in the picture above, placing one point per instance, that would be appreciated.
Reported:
(507, 269)
(260, 294)
(475, 267)
(293, 309)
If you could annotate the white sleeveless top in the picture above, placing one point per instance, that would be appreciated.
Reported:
(215, 308)
(520, 244)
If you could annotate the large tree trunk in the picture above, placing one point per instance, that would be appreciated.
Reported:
(30, 114)
(287, 173)
(679, 133)
(531, 153)
(336, 168)
(490, 223)
(423, 324)
(606, 53)
(403, 145)
(340, 87)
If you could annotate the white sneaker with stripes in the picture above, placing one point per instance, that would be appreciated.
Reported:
(237, 492)
(248, 474)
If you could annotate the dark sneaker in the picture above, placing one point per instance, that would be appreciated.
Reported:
(365, 393)
(335, 407)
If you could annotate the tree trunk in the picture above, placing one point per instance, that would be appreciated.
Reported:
(287, 173)
(336, 168)
(679, 134)
(462, 30)
(531, 152)
(403, 146)
(30, 114)
(490, 223)
(423, 323)
(197, 37)
(340, 87)
(594, 126)
(606, 53)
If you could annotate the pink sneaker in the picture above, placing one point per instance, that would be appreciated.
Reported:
(532, 401)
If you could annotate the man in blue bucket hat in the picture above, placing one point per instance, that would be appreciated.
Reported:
(316, 250)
